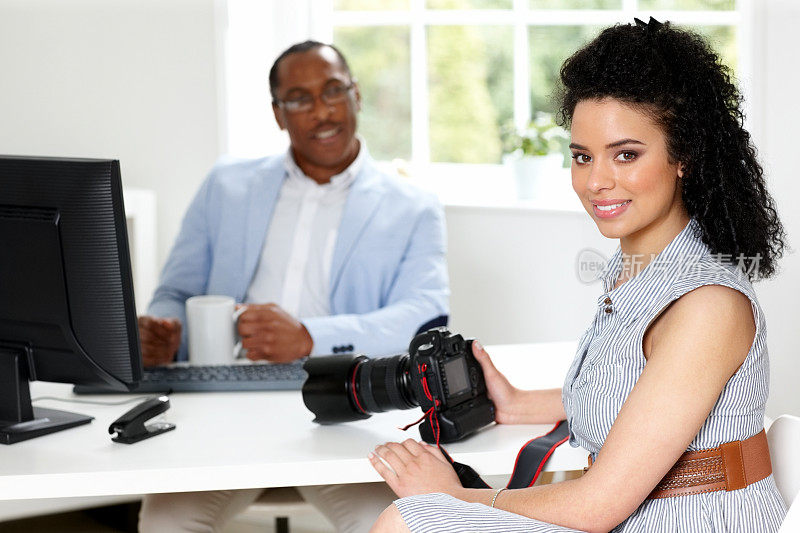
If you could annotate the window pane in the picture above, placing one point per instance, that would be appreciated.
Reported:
(723, 40)
(549, 47)
(469, 4)
(379, 59)
(576, 4)
(470, 76)
(369, 5)
(710, 5)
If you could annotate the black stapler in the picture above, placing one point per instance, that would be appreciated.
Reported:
(130, 427)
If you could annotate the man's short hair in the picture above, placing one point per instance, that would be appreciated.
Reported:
(299, 48)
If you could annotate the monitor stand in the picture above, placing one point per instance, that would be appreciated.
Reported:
(19, 420)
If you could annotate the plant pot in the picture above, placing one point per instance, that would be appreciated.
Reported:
(534, 174)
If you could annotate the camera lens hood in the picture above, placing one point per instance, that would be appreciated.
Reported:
(328, 391)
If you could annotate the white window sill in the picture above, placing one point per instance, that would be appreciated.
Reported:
(489, 186)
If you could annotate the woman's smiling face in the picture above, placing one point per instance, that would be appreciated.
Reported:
(621, 170)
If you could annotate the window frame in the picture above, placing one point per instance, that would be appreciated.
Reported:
(521, 18)
(256, 33)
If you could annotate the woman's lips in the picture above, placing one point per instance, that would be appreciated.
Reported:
(610, 210)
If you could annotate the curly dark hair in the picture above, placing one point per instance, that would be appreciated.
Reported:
(675, 77)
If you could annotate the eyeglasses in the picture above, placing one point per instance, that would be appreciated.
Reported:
(332, 95)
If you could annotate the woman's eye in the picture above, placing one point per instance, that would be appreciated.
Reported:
(626, 156)
(581, 159)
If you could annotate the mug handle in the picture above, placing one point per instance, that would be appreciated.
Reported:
(237, 348)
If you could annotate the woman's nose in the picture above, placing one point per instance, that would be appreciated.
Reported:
(600, 177)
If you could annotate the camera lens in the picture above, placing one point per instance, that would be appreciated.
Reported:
(342, 388)
(383, 384)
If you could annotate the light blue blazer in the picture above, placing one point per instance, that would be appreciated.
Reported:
(388, 274)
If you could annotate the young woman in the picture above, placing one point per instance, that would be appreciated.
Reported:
(668, 387)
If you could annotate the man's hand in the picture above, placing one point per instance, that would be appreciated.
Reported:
(413, 467)
(268, 332)
(160, 339)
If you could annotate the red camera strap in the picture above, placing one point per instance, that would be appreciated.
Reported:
(430, 414)
(533, 456)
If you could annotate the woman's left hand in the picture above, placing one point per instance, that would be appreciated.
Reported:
(414, 468)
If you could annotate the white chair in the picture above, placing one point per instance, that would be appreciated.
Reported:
(791, 524)
(784, 443)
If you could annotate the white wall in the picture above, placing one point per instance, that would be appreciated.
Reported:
(777, 111)
(134, 80)
(513, 273)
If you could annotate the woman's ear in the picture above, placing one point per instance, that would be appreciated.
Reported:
(680, 170)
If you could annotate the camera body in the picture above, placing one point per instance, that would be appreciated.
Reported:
(447, 378)
(439, 374)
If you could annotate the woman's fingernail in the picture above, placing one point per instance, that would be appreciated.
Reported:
(478, 345)
(370, 455)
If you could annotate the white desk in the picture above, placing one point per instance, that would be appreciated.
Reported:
(254, 439)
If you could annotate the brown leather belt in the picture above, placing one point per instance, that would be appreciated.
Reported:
(730, 466)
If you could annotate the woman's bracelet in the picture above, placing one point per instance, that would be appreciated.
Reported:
(494, 498)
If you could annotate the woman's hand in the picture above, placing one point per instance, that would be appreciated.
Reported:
(413, 467)
(505, 396)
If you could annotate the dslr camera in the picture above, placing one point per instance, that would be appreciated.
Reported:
(438, 374)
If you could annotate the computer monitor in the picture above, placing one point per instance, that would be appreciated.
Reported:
(67, 311)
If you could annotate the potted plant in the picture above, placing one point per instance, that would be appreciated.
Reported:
(535, 154)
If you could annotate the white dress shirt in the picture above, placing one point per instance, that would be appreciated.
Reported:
(295, 264)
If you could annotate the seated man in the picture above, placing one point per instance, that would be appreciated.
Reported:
(329, 254)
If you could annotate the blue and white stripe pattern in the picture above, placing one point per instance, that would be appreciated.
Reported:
(607, 365)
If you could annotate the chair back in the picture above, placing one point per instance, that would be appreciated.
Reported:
(784, 444)
(791, 524)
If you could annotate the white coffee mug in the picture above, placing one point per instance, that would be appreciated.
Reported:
(213, 336)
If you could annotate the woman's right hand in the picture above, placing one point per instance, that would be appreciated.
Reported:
(505, 396)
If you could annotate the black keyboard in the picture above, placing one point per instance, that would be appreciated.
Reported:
(209, 378)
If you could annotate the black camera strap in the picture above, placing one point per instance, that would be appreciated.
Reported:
(530, 460)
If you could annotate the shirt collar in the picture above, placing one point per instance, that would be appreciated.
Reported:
(343, 180)
(685, 250)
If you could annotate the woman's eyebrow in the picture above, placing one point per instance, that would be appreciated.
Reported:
(622, 142)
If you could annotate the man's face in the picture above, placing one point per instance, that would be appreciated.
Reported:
(322, 136)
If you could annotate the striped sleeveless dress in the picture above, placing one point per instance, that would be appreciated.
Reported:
(607, 365)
